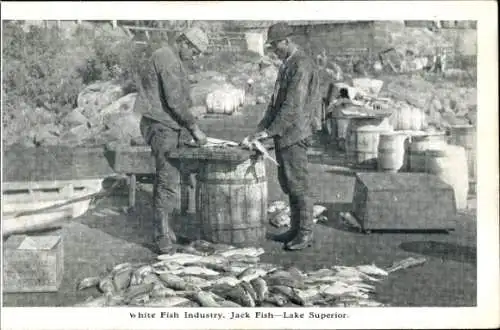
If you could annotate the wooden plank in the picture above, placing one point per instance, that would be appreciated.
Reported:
(138, 159)
(34, 185)
(54, 163)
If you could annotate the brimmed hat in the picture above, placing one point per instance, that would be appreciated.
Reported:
(277, 32)
(198, 38)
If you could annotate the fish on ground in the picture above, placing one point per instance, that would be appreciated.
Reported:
(205, 299)
(88, 282)
(137, 290)
(261, 289)
(194, 271)
(180, 258)
(173, 281)
(167, 302)
(251, 273)
(249, 251)
(276, 299)
(288, 292)
(249, 289)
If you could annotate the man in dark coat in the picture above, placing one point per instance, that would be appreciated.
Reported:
(291, 118)
(164, 103)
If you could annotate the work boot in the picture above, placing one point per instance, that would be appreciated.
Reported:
(285, 237)
(300, 242)
(165, 245)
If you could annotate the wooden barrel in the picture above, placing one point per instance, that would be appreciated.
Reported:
(419, 144)
(465, 136)
(366, 145)
(391, 151)
(231, 201)
(342, 128)
(450, 165)
(354, 124)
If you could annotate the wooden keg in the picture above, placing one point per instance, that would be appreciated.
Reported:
(419, 144)
(450, 165)
(391, 151)
(366, 145)
(231, 201)
(351, 134)
(465, 136)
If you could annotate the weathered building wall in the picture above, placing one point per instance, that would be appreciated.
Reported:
(366, 38)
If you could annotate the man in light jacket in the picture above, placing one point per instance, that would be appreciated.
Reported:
(292, 115)
(164, 103)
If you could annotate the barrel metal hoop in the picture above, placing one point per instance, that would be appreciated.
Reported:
(233, 181)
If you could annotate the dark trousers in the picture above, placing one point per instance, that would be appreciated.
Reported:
(293, 176)
(166, 187)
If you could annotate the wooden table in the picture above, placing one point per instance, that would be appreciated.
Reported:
(138, 160)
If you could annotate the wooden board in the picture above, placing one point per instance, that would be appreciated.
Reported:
(54, 163)
(406, 201)
(138, 159)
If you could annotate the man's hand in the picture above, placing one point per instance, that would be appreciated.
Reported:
(198, 135)
(260, 135)
(247, 141)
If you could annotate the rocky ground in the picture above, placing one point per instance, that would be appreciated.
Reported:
(104, 109)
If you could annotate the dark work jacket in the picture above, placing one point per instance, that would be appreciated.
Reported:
(295, 107)
(164, 95)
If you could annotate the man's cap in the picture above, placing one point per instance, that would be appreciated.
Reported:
(198, 38)
(277, 32)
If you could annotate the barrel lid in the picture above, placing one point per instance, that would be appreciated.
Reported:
(446, 150)
(436, 152)
(373, 128)
(462, 126)
(391, 133)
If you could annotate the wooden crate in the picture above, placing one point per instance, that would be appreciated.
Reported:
(33, 263)
(403, 201)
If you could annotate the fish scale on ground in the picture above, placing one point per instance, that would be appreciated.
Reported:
(233, 277)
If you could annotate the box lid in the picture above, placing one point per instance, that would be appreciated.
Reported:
(379, 181)
(25, 242)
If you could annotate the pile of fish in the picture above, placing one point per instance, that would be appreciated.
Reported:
(216, 275)
(279, 214)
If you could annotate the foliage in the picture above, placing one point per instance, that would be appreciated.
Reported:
(44, 68)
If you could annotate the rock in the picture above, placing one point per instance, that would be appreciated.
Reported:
(46, 135)
(80, 130)
(74, 118)
(434, 118)
(39, 116)
(472, 117)
(24, 142)
(124, 125)
(124, 104)
(436, 104)
(138, 141)
(250, 99)
(269, 73)
(461, 109)
(260, 100)
(446, 105)
(240, 80)
(198, 110)
(449, 119)
(455, 74)
(97, 96)
(207, 75)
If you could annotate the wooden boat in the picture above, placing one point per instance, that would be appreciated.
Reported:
(37, 205)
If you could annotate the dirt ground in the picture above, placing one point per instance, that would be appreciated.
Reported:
(106, 236)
